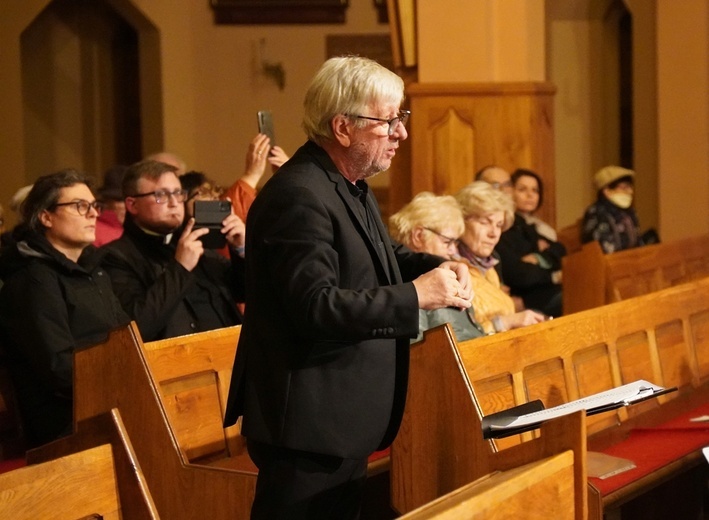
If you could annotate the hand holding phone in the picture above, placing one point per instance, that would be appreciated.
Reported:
(210, 214)
(265, 125)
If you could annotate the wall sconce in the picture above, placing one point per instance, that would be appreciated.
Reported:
(269, 69)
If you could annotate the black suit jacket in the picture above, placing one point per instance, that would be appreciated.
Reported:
(322, 361)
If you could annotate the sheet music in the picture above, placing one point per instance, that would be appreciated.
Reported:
(621, 395)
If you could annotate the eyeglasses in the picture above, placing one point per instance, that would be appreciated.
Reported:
(402, 117)
(448, 241)
(82, 206)
(501, 185)
(161, 196)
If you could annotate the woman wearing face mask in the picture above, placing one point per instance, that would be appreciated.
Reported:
(611, 220)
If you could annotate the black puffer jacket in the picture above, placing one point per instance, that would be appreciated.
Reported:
(532, 282)
(50, 305)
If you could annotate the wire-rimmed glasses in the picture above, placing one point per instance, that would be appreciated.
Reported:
(448, 241)
(402, 117)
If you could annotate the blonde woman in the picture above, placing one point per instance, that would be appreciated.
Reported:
(488, 212)
(432, 224)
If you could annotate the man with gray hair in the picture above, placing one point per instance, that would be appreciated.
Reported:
(321, 369)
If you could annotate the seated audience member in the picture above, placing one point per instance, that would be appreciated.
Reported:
(9, 236)
(162, 274)
(528, 195)
(497, 177)
(529, 262)
(55, 299)
(611, 220)
(487, 213)
(200, 187)
(109, 225)
(432, 224)
(243, 192)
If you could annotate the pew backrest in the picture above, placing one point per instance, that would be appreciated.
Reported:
(126, 475)
(442, 415)
(662, 337)
(592, 279)
(544, 487)
(192, 374)
(117, 374)
(88, 486)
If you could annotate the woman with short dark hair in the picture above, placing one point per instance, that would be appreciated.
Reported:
(530, 256)
(55, 298)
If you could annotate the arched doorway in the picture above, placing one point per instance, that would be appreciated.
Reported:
(81, 88)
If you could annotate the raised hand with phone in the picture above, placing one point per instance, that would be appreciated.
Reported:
(261, 151)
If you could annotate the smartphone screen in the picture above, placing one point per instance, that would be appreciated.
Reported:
(265, 125)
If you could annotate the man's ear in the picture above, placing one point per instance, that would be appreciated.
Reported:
(130, 205)
(341, 127)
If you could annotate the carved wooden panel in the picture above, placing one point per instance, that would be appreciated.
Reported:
(457, 129)
(699, 323)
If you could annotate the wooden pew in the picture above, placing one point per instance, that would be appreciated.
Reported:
(427, 458)
(592, 279)
(197, 480)
(570, 237)
(542, 488)
(192, 374)
(94, 472)
(661, 337)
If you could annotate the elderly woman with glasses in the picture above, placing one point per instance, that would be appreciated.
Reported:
(487, 213)
(432, 224)
(55, 298)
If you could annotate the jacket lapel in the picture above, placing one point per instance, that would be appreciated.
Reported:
(384, 258)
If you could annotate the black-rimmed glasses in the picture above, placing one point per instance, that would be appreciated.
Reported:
(402, 117)
(161, 196)
(82, 206)
(448, 241)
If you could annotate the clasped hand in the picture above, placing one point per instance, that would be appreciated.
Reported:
(448, 285)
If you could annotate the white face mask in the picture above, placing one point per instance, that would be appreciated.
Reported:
(622, 200)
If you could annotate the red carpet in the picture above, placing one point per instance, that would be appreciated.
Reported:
(653, 448)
